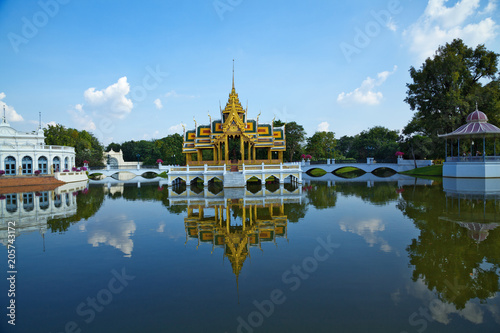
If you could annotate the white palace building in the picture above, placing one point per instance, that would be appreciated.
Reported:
(23, 153)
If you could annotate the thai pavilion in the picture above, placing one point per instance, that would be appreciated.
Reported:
(247, 137)
(473, 163)
(23, 153)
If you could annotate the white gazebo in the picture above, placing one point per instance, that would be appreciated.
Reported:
(463, 164)
(24, 153)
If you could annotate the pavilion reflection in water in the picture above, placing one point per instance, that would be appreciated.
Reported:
(32, 210)
(473, 204)
(237, 224)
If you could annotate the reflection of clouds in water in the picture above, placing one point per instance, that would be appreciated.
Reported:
(114, 231)
(161, 227)
(367, 229)
(441, 311)
(174, 235)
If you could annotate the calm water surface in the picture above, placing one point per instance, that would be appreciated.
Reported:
(396, 256)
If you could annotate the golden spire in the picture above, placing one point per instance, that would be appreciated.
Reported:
(233, 75)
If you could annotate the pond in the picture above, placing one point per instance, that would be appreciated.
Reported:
(401, 255)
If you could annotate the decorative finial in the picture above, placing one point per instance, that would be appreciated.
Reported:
(476, 105)
(4, 119)
(233, 74)
(39, 120)
(209, 117)
(195, 125)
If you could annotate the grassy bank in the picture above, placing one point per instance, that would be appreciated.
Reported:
(433, 170)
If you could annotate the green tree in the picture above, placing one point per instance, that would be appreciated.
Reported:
(168, 149)
(87, 146)
(114, 147)
(345, 147)
(321, 145)
(295, 136)
(378, 142)
(446, 88)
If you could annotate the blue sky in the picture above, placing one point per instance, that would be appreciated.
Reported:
(129, 70)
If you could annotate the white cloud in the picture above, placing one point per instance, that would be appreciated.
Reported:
(492, 5)
(158, 104)
(111, 101)
(323, 127)
(81, 119)
(366, 93)
(391, 25)
(10, 113)
(441, 24)
(176, 129)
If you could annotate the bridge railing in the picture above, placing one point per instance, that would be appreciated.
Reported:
(149, 166)
(349, 161)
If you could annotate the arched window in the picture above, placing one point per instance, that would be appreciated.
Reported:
(27, 163)
(10, 165)
(66, 163)
(42, 165)
(57, 164)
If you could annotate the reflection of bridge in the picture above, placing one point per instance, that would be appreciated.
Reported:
(369, 166)
(138, 171)
(207, 198)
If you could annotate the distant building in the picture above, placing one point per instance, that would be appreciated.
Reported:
(23, 153)
(114, 160)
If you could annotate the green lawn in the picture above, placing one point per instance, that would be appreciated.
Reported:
(317, 172)
(433, 170)
(346, 170)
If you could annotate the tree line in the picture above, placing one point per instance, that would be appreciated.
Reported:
(444, 90)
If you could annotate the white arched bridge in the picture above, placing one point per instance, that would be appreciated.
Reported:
(370, 165)
(281, 172)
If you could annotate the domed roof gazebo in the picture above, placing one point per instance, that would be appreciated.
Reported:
(469, 165)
